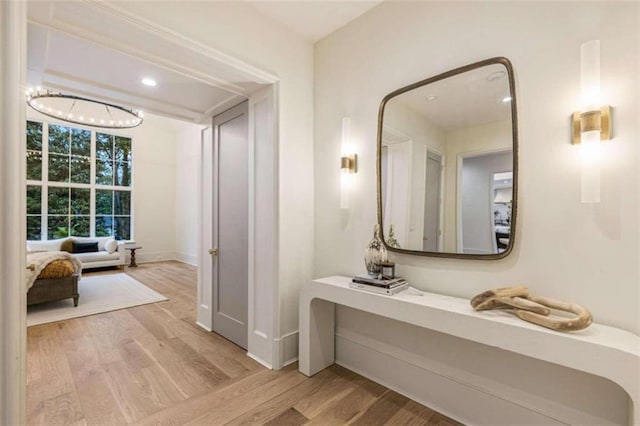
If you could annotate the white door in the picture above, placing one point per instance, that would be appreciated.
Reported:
(431, 228)
(230, 223)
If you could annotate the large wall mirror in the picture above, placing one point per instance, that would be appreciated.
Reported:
(448, 164)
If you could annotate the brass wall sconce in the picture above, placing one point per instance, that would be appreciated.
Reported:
(590, 121)
(348, 163)
(593, 124)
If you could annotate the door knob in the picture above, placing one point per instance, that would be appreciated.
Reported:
(213, 251)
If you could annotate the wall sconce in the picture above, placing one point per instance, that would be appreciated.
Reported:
(348, 163)
(593, 125)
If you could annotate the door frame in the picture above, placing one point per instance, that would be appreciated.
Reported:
(399, 142)
(429, 150)
(459, 164)
(13, 310)
(262, 330)
(13, 35)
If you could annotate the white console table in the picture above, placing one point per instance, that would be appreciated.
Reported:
(600, 350)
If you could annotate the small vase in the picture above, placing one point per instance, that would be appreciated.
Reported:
(391, 241)
(375, 253)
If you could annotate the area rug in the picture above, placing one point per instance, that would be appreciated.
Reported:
(100, 293)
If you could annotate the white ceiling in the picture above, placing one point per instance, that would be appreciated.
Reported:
(464, 100)
(60, 62)
(314, 19)
(97, 51)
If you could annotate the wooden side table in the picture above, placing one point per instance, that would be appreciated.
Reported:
(133, 249)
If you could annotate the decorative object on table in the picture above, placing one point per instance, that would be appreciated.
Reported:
(392, 241)
(381, 286)
(534, 309)
(133, 249)
(388, 269)
(375, 253)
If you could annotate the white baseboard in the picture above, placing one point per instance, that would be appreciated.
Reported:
(260, 360)
(201, 325)
(286, 348)
(143, 256)
(189, 259)
(459, 394)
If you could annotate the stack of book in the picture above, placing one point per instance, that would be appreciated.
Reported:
(381, 286)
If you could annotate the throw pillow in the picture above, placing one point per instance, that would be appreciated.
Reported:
(84, 247)
(67, 245)
(111, 246)
(58, 269)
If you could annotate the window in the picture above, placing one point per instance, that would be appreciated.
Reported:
(113, 213)
(78, 183)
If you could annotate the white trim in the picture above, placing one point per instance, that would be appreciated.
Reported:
(439, 241)
(259, 360)
(220, 107)
(458, 206)
(145, 256)
(199, 324)
(132, 51)
(205, 316)
(290, 361)
(13, 325)
(187, 258)
(275, 291)
(263, 287)
(204, 64)
(287, 347)
(184, 42)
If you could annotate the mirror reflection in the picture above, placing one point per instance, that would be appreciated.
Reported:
(447, 164)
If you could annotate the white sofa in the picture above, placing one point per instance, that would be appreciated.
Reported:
(102, 258)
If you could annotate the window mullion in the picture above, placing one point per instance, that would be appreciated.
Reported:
(44, 222)
(92, 182)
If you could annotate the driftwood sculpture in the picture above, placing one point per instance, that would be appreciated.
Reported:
(533, 309)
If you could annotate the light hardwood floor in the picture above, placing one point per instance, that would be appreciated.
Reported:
(152, 365)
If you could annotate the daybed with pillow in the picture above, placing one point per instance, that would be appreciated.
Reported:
(91, 252)
(52, 275)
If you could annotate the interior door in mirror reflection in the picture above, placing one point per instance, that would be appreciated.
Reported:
(447, 171)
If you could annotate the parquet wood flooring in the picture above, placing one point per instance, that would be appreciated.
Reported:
(151, 365)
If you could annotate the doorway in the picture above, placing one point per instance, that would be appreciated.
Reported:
(431, 230)
(261, 87)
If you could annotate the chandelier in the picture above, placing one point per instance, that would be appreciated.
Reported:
(83, 111)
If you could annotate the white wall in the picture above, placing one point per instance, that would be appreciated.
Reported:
(187, 183)
(582, 253)
(154, 197)
(242, 32)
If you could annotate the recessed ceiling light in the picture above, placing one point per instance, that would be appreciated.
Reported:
(149, 82)
(432, 98)
(506, 99)
(496, 75)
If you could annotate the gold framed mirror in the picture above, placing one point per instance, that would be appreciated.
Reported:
(447, 164)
